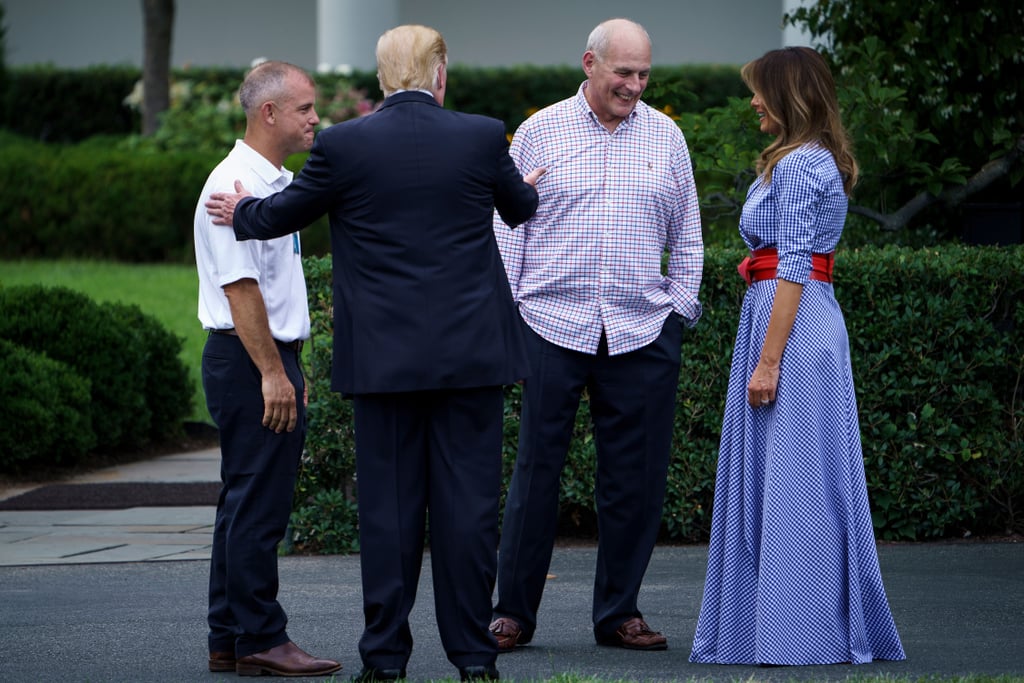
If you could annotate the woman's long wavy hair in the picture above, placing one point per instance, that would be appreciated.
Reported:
(798, 92)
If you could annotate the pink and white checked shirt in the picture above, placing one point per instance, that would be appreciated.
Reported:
(611, 205)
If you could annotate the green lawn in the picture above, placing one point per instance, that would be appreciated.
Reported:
(169, 293)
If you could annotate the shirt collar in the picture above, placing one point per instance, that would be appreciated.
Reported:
(584, 109)
(267, 172)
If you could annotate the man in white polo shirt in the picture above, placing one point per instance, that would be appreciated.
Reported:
(252, 299)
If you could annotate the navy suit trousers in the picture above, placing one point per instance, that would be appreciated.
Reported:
(437, 454)
(258, 470)
(632, 403)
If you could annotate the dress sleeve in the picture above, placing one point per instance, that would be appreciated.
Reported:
(799, 190)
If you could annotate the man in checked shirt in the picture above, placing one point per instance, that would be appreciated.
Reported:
(586, 274)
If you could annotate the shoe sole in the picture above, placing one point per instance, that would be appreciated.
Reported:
(258, 670)
(623, 646)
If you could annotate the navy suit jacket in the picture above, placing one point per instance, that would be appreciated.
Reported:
(421, 298)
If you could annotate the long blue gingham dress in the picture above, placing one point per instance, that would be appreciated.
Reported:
(793, 573)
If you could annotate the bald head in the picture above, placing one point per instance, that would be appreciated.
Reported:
(615, 31)
(617, 64)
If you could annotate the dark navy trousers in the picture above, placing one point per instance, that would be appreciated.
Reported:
(632, 403)
(258, 470)
(428, 457)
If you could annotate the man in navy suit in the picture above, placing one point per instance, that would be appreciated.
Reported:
(425, 335)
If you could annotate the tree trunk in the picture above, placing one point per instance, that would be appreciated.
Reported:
(158, 21)
(952, 196)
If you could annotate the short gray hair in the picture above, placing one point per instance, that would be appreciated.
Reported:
(265, 82)
(601, 37)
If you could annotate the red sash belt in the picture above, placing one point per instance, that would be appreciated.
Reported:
(762, 263)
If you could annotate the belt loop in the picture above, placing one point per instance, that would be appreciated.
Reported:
(295, 346)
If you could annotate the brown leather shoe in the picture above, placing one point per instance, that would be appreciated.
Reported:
(222, 661)
(635, 634)
(507, 632)
(284, 660)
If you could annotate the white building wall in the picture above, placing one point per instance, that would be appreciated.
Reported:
(499, 32)
(76, 33)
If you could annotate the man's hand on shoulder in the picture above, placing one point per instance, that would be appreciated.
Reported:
(221, 205)
(533, 176)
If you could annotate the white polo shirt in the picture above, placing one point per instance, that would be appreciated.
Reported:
(276, 264)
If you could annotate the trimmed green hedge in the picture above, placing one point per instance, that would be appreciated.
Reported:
(513, 93)
(94, 200)
(97, 200)
(67, 105)
(937, 340)
(121, 361)
(508, 93)
(110, 196)
(36, 395)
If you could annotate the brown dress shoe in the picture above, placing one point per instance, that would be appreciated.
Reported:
(284, 660)
(507, 632)
(635, 634)
(222, 661)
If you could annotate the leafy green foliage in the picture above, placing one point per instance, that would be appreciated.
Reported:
(325, 518)
(128, 361)
(325, 522)
(37, 394)
(514, 93)
(108, 98)
(166, 382)
(724, 144)
(165, 291)
(939, 361)
(71, 328)
(206, 114)
(92, 200)
(892, 148)
(68, 105)
(924, 112)
(937, 341)
(925, 115)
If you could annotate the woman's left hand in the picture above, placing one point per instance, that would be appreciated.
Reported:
(762, 386)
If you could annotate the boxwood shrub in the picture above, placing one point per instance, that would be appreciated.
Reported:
(937, 341)
(45, 414)
(99, 199)
(95, 200)
(508, 93)
(139, 389)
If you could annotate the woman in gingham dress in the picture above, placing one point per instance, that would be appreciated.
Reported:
(793, 573)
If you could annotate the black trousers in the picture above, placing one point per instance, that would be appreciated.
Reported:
(435, 453)
(258, 470)
(632, 403)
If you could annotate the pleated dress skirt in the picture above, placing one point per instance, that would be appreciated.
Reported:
(793, 575)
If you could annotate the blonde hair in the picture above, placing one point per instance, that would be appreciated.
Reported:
(410, 58)
(796, 89)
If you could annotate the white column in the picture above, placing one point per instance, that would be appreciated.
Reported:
(347, 31)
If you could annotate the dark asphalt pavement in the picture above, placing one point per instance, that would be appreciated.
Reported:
(959, 608)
